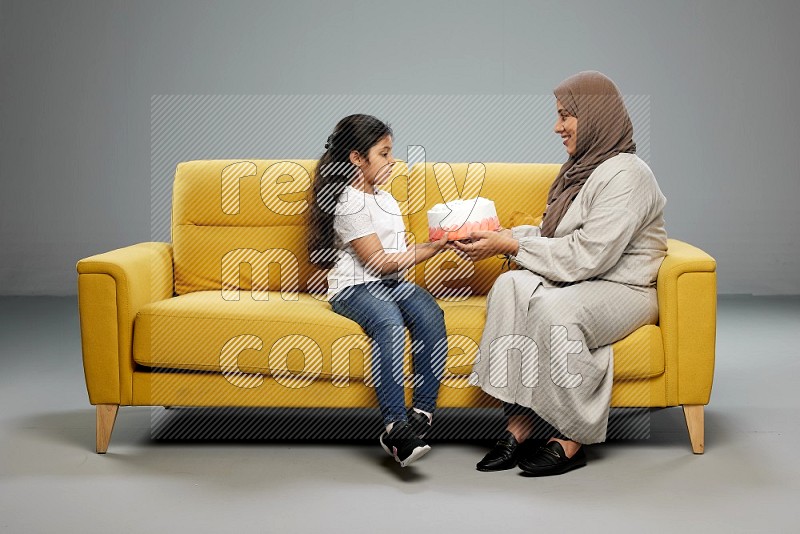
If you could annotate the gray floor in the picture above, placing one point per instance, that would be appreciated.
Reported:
(52, 481)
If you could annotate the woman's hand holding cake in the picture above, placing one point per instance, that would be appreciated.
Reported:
(487, 243)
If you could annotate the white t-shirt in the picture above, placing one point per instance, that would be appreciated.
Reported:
(358, 214)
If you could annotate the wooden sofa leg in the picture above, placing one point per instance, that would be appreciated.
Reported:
(696, 425)
(106, 415)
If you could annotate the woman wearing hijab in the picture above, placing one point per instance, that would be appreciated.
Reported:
(584, 279)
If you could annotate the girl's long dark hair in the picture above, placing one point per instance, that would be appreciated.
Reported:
(333, 174)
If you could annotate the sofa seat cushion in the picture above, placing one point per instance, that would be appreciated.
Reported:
(201, 331)
(638, 356)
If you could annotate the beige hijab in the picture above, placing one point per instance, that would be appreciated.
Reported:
(604, 130)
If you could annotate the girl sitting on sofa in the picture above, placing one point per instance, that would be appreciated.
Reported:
(357, 232)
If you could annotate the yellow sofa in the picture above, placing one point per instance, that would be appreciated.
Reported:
(232, 314)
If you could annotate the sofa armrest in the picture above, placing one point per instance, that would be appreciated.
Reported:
(112, 287)
(687, 306)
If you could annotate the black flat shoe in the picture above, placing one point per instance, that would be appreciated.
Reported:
(502, 456)
(550, 459)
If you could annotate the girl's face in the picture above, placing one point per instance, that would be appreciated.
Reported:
(567, 127)
(377, 166)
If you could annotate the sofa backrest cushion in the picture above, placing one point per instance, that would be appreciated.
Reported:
(241, 224)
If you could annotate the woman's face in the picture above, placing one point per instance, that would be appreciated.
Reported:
(567, 127)
(380, 162)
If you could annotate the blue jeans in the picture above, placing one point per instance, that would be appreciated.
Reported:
(384, 309)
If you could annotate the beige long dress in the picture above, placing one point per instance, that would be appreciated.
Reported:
(550, 324)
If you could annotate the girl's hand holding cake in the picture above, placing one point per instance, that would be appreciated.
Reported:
(439, 244)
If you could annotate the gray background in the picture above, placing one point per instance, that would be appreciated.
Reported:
(77, 80)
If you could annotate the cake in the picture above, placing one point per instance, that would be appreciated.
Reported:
(458, 218)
